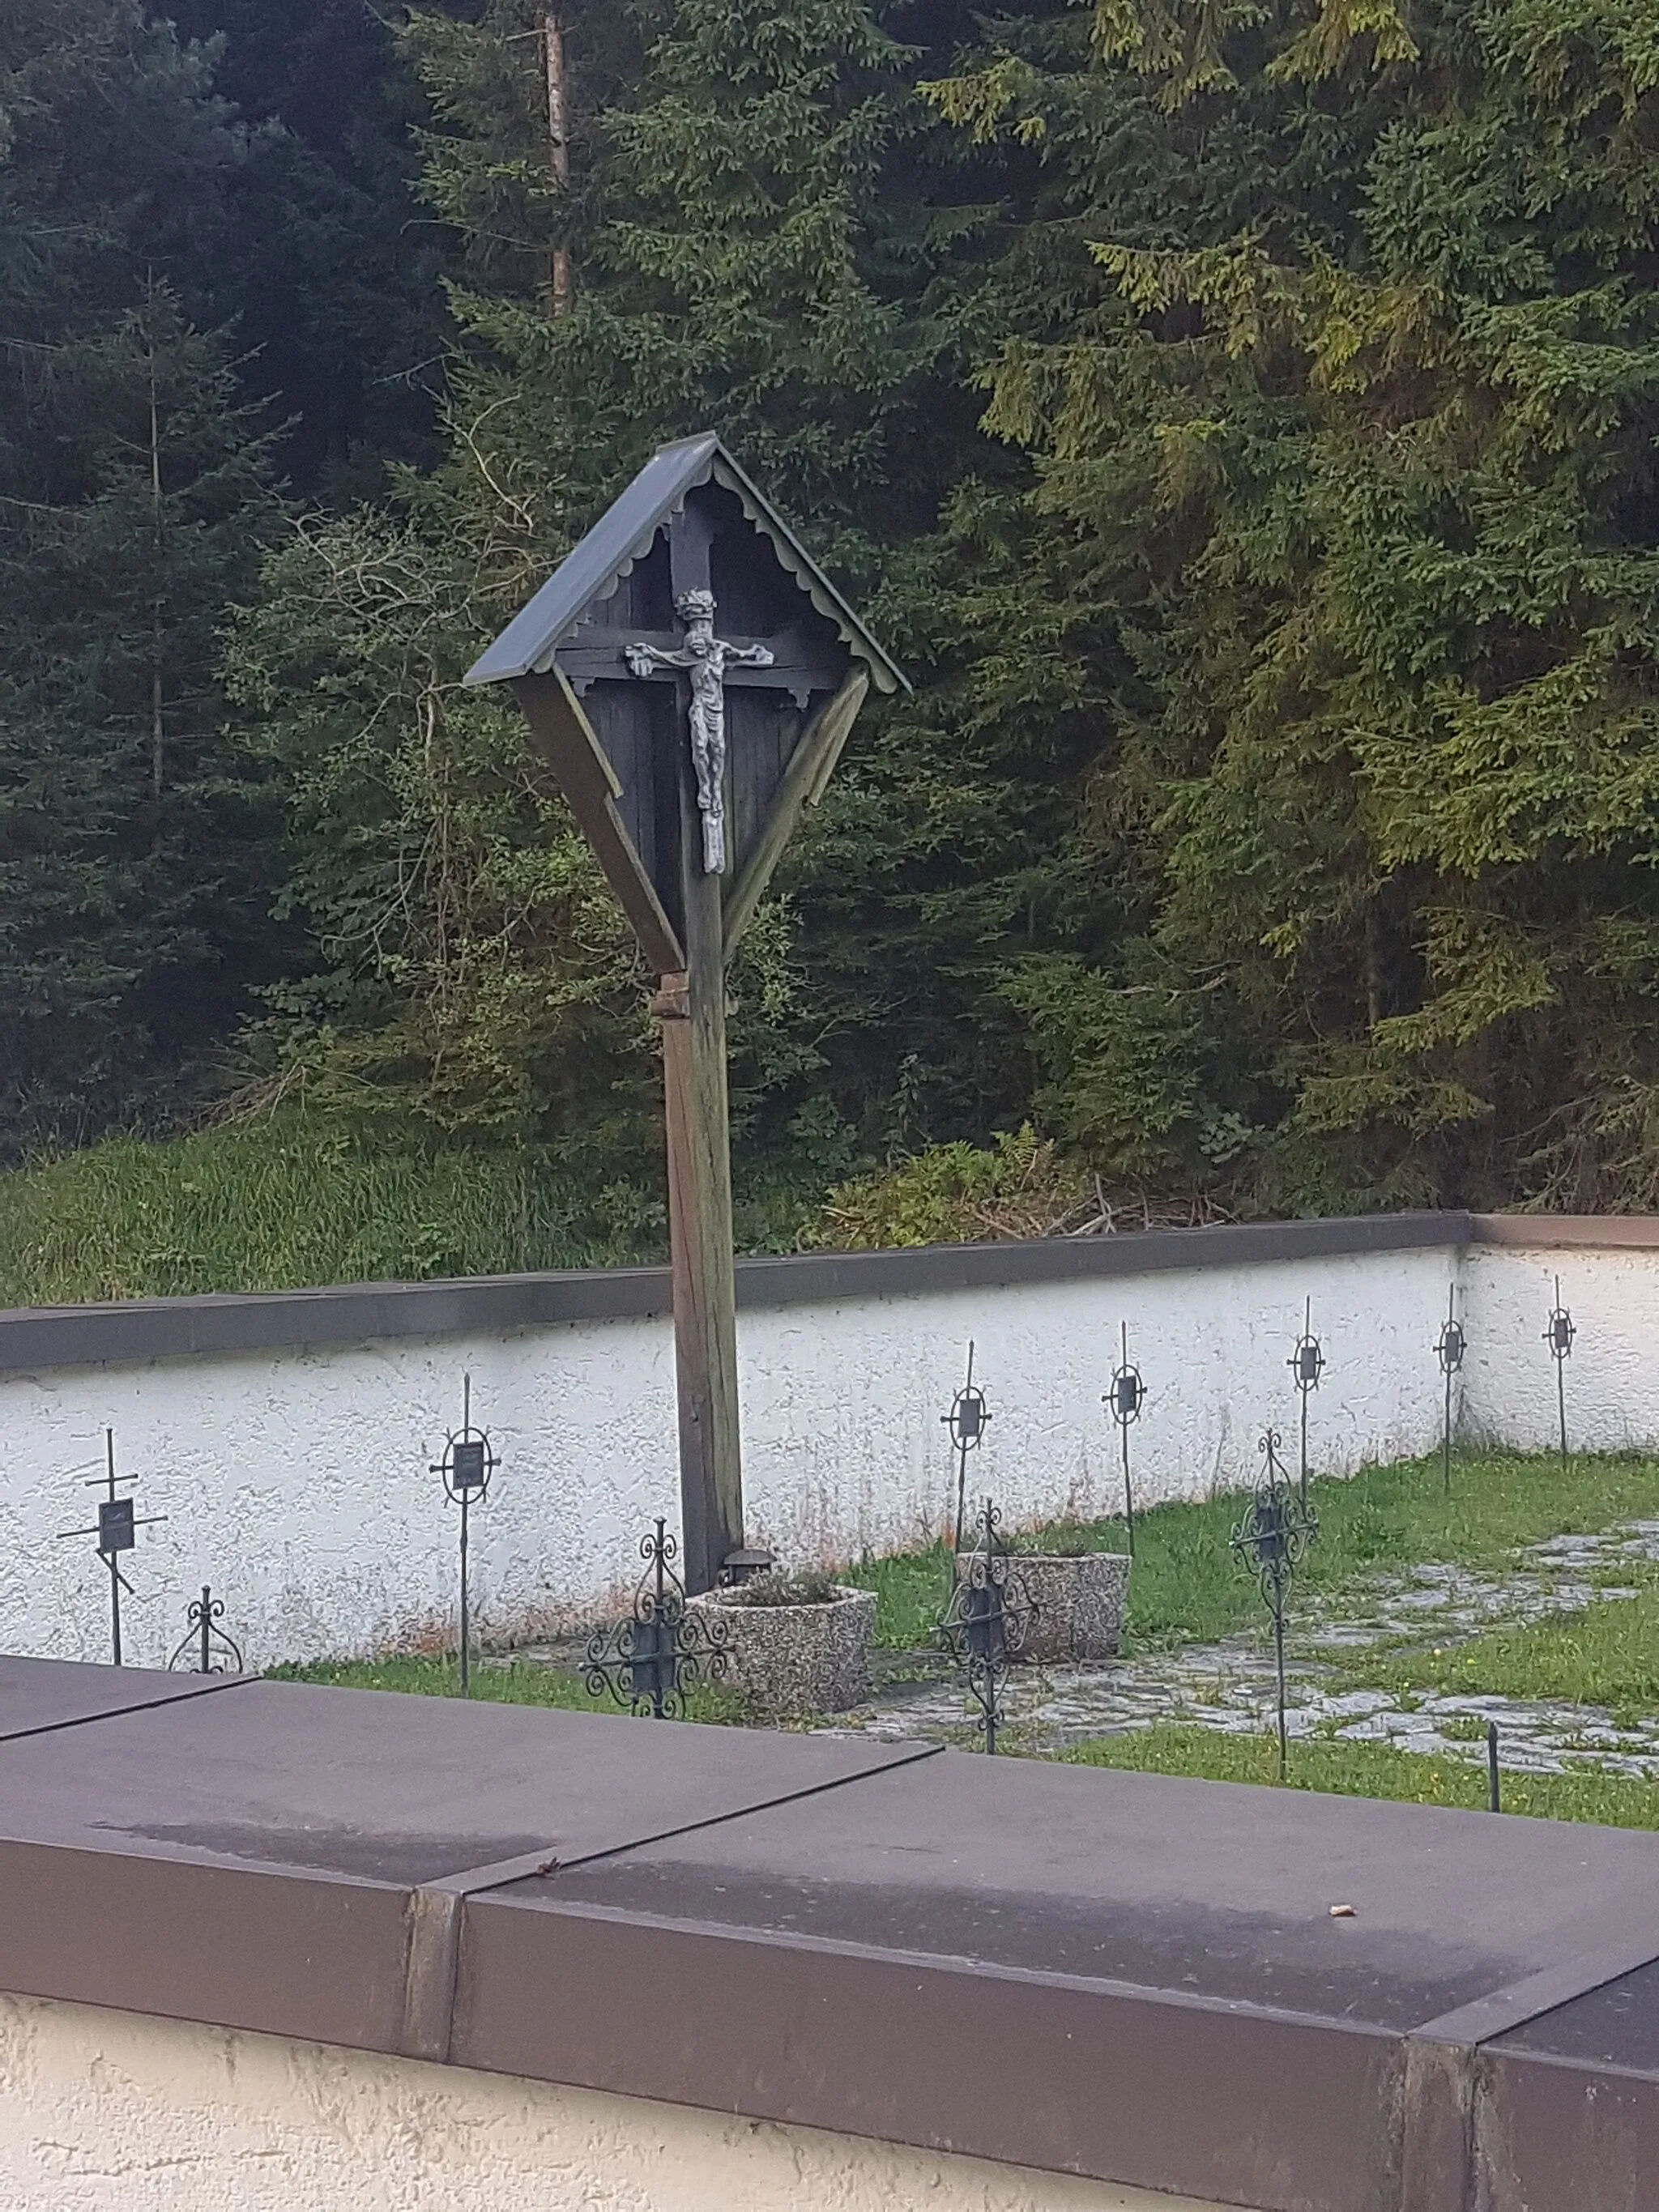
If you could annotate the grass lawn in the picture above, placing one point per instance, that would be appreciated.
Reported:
(1369, 1770)
(500, 1682)
(1188, 1589)
(1606, 1656)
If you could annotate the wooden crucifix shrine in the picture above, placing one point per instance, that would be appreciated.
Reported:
(691, 675)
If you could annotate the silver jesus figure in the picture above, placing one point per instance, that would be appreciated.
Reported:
(704, 658)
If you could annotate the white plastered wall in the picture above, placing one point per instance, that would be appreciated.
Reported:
(1611, 1380)
(298, 1482)
(112, 2111)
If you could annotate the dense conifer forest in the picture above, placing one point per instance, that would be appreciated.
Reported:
(1239, 419)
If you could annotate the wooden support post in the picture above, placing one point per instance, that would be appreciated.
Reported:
(692, 1008)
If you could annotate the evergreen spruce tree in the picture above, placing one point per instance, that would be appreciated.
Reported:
(328, 268)
(1344, 488)
(132, 496)
(670, 216)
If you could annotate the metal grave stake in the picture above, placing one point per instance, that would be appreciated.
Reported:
(468, 1462)
(1306, 1364)
(1271, 1539)
(1449, 1347)
(203, 1638)
(690, 676)
(648, 1661)
(967, 1421)
(985, 1626)
(1126, 1398)
(1559, 1335)
(116, 1532)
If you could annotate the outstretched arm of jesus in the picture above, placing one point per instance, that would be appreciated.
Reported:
(642, 659)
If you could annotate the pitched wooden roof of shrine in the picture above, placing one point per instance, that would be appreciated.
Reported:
(625, 534)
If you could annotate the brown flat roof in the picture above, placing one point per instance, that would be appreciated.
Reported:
(1116, 1975)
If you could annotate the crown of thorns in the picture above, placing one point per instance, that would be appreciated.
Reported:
(694, 606)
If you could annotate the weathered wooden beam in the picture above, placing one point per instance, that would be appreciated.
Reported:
(566, 739)
(811, 766)
(692, 1009)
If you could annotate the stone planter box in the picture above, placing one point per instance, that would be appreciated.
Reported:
(797, 1658)
(1079, 1600)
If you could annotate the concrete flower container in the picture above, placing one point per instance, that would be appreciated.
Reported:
(796, 1658)
(1079, 1599)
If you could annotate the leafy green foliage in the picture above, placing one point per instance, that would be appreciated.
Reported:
(956, 1195)
(1186, 1587)
(1241, 423)
(326, 268)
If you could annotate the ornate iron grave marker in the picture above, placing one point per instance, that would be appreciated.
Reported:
(1271, 1539)
(1306, 1364)
(213, 1650)
(986, 1623)
(468, 1462)
(648, 1661)
(691, 675)
(1559, 1333)
(116, 1532)
(1125, 1398)
(1450, 1348)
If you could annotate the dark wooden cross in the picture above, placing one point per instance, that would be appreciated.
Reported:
(691, 675)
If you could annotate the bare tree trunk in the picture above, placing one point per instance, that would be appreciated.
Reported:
(558, 139)
(157, 727)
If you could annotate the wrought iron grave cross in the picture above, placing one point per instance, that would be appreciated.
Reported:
(116, 1532)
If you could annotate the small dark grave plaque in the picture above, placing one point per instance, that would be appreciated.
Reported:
(691, 675)
(115, 1525)
(467, 1464)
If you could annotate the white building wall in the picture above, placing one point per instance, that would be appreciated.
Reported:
(1612, 1377)
(845, 1449)
(297, 1482)
(112, 2111)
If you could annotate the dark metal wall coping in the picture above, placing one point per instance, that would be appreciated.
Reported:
(131, 1331)
(1123, 1976)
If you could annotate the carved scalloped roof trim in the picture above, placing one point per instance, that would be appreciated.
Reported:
(806, 573)
(625, 535)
